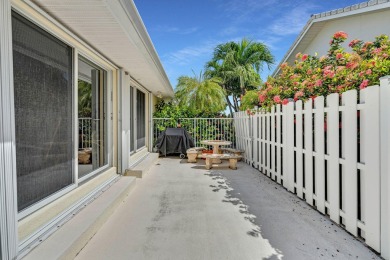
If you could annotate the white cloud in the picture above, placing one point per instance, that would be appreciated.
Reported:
(271, 42)
(188, 54)
(291, 22)
(177, 30)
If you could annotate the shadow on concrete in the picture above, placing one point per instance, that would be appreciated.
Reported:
(292, 227)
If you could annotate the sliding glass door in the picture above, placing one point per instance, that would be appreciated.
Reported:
(141, 119)
(43, 112)
(137, 119)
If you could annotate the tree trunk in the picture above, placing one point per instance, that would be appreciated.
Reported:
(229, 105)
(236, 107)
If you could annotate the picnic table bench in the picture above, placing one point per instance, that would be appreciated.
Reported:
(194, 153)
(232, 150)
(231, 157)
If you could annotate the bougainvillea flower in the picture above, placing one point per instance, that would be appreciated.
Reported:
(352, 65)
(262, 98)
(340, 35)
(377, 50)
(318, 83)
(283, 65)
(364, 84)
(353, 43)
(298, 94)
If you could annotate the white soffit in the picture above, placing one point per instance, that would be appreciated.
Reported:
(115, 29)
(318, 21)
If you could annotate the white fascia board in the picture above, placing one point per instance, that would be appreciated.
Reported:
(129, 19)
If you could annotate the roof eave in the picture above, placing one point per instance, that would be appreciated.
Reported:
(365, 7)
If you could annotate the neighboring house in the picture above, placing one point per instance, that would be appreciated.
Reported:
(362, 21)
(60, 61)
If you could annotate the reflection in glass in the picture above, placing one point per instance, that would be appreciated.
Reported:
(91, 113)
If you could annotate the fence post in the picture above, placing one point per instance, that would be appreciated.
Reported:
(385, 167)
(350, 204)
(288, 169)
(299, 152)
(332, 102)
(272, 144)
(308, 151)
(319, 148)
(370, 156)
(278, 144)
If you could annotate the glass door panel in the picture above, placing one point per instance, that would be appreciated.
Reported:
(43, 112)
(141, 123)
(91, 113)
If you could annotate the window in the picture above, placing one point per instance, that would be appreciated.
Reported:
(141, 124)
(137, 119)
(91, 113)
(43, 112)
(132, 120)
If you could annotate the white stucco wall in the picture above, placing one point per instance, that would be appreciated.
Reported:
(364, 27)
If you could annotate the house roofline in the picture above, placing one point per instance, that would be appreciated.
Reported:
(142, 32)
(365, 7)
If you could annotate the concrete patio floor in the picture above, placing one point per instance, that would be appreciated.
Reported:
(182, 211)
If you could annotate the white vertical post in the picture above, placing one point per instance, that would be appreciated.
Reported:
(262, 138)
(267, 143)
(273, 144)
(309, 152)
(320, 152)
(285, 146)
(255, 130)
(289, 167)
(278, 144)
(385, 165)
(333, 154)
(349, 100)
(370, 156)
(299, 152)
(8, 198)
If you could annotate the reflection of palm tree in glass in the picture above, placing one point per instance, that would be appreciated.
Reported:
(85, 99)
(85, 113)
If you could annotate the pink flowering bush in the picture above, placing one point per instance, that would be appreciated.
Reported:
(336, 72)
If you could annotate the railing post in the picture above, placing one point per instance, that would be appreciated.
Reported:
(385, 166)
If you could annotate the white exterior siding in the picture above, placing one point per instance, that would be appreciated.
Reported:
(364, 27)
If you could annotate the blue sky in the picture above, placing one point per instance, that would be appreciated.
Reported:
(185, 32)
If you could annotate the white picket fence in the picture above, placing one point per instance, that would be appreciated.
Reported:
(333, 153)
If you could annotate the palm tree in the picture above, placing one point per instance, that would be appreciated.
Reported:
(200, 94)
(215, 70)
(239, 65)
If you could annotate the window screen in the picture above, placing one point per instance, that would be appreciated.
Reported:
(43, 112)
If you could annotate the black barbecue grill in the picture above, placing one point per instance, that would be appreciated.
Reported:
(174, 141)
